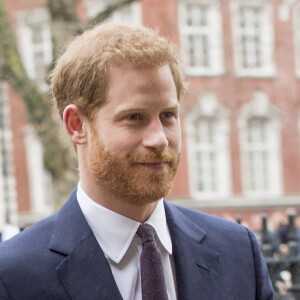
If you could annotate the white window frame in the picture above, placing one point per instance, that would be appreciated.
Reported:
(213, 31)
(10, 179)
(94, 7)
(40, 181)
(209, 109)
(296, 23)
(267, 69)
(261, 109)
(26, 19)
(298, 124)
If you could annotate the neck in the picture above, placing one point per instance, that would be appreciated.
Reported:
(137, 212)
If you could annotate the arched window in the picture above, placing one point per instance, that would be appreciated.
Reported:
(208, 149)
(260, 146)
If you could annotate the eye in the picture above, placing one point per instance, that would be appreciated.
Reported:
(167, 115)
(134, 117)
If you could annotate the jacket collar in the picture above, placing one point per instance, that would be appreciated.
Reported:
(85, 273)
(197, 266)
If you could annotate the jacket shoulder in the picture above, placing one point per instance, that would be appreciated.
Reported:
(205, 221)
(26, 245)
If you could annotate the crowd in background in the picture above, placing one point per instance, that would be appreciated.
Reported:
(278, 235)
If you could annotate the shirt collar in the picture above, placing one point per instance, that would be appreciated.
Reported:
(115, 232)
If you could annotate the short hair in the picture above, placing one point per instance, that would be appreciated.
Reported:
(81, 74)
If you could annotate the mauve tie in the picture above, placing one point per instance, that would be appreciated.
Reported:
(152, 272)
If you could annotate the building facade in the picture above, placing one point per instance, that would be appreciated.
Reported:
(240, 114)
(25, 184)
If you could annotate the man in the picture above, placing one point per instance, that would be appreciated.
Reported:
(117, 89)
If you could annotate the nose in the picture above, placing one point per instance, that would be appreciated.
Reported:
(155, 137)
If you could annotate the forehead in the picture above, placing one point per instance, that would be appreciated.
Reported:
(129, 79)
(150, 89)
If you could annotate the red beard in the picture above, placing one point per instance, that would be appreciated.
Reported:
(124, 177)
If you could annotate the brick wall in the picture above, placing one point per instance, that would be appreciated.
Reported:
(18, 123)
(232, 92)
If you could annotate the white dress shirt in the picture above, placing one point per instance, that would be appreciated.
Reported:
(122, 247)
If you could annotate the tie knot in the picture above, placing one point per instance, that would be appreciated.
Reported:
(146, 233)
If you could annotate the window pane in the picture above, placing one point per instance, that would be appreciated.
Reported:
(258, 154)
(197, 36)
(251, 45)
(206, 154)
(37, 37)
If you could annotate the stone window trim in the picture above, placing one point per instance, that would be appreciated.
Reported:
(253, 38)
(35, 44)
(201, 37)
(296, 23)
(214, 185)
(264, 147)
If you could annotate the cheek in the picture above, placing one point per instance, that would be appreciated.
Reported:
(174, 137)
(121, 142)
(178, 141)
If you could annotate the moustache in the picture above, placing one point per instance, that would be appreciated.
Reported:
(166, 156)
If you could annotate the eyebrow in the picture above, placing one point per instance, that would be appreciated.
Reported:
(130, 109)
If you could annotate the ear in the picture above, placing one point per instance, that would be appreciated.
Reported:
(74, 124)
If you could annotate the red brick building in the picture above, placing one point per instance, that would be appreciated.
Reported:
(241, 112)
(25, 185)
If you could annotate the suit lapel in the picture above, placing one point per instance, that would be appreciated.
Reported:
(197, 266)
(84, 271)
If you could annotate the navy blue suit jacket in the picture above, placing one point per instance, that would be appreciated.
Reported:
(59, 258)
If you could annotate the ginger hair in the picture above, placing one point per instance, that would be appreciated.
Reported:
(81, 74)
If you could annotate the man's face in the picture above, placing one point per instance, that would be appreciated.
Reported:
(134, 146)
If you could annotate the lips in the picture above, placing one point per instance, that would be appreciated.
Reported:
(153, 165)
